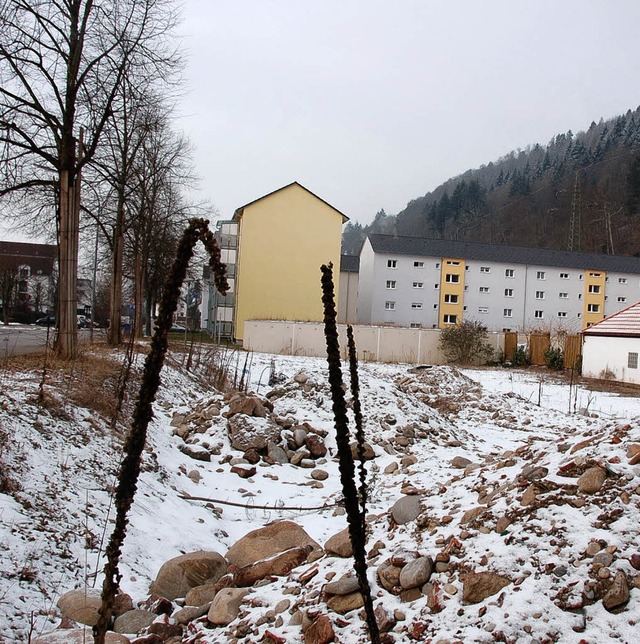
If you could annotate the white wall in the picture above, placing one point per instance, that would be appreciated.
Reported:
(605, 354)
(373, 343)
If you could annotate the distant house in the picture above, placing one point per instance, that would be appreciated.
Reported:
(274, 247)
(26, 272)
(611, 347)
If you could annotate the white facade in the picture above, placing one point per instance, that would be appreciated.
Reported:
(611, 357)
(505, 288)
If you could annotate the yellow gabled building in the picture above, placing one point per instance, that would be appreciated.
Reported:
(282, 240)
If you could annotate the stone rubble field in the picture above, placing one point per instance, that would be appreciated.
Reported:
(489, 518)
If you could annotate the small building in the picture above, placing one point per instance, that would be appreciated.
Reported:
(274, 247)
(26, 274)
(611, 347)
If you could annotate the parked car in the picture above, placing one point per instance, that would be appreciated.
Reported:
(47, 320)
(177, 328)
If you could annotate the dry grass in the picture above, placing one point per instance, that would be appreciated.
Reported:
(90, 382)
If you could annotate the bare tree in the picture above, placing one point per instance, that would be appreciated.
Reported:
(62, 63)
(8, 285)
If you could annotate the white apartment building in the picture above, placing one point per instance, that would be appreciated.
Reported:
(432, 283)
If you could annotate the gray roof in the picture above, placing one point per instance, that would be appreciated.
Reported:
(422, 247)
(350, 263)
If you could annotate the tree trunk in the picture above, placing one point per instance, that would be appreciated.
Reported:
(138, 296)
(115, 296)
(67, 342)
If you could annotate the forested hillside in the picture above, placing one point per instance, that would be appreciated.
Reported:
(528, 196)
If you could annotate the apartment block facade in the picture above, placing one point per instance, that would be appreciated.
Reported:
(427, 283)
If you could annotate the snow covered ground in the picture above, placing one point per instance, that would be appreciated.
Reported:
(514, 510)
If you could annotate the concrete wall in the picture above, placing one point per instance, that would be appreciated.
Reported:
(373, 343)
(348, 297)
(603, 354)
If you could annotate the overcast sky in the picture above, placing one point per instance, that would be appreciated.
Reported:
(372, 103)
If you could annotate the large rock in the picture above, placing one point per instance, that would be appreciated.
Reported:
(345, 603)
(389, 576)
(277, 566)
(179, 575)
(320, 631)
(339, 544)
(226, 606)
(249, 405)
(201, 595)
(77, 636)
(416, 573)
(81, 605)
(315, 445)
(268, 541)
(480, 585)
(344, 586)
(406, 509)
(591, 481)
(368, 452)
(618, 594)
(133, 621)
(248, 433)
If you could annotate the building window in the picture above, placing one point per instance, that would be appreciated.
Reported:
(24, 273)
(450, 319)
(622, 280)
(436, 286)
(508, 313)
(564, 276)
(392, 263)
(23, 286)
(562, 314)
(538, 314)
(539, 295)
(416, 305)
(508, 292)
(416, 325)
(450, 299)
(622, 299)
(452, 278)
(632, 360)
(391, 284)
(593, 308)
(563, 296)
(483, 309)
(509, 272)
(485, 269)
(594, 274)
(418, 264)
(390, 306)
(437, 264)
(594, 288)
(435, 306)
(541, 275)
(418, 284)
(452, 262)
(484, 289)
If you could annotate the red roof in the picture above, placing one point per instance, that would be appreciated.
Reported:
(622, 323)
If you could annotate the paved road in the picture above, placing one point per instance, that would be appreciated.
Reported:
(19, 339)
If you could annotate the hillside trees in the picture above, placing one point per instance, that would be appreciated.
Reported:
(62, 65)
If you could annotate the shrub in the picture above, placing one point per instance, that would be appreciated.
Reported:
(466, 343)
(520, 357)
(554, 359)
